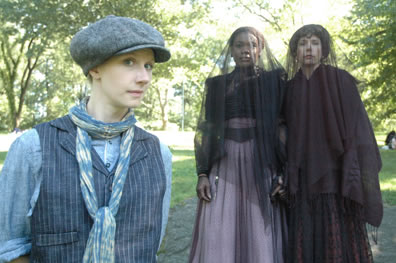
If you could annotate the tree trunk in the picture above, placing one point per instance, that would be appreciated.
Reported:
(17, 122)
(164, 108)
(9, 77)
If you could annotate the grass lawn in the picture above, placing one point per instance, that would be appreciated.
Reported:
(2, 158)
(184, 177)
(388, 177)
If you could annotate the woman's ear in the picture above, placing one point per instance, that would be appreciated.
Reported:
(94, 72)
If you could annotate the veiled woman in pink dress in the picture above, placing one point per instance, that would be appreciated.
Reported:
(239, 157)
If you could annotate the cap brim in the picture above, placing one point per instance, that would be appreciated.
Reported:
(161, 54)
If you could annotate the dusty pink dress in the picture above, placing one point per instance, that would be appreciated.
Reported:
(231, 227)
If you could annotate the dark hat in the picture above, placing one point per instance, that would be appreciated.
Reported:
(114, 35)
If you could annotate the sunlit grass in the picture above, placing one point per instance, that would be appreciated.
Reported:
(2, 158)
(184, 176)
(388, 176)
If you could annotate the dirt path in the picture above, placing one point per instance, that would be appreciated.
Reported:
(176, 245)
(385, 250)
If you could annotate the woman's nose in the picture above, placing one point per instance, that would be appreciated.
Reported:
(143, 76)
(245, 50)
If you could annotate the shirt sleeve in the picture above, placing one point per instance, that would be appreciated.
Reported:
(167, 159)
(19, 188)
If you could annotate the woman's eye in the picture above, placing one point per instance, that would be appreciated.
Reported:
(128, 62)
(149, 66)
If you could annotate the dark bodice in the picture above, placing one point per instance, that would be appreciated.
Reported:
(239, 103)
(256, 97)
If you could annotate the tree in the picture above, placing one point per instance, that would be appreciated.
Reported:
(371, 32)
(28, 29)
(35, 35)
(363, 34)
(194, 49)
(57, 85)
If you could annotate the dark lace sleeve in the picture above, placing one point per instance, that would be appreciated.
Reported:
(207, 140)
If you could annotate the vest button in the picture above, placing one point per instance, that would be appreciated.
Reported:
(107, 165)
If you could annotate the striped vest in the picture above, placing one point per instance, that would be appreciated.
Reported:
(60, 223)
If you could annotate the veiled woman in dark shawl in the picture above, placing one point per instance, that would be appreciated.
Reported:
(238, 156)
(333, 158)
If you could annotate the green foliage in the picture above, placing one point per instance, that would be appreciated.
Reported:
(27, 30)
(371, 32)
(39, 80)
(54, 89)
(364, 42)
(3, 111)
(278, 20)
(194, 50)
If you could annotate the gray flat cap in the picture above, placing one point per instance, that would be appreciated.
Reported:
(114, 35)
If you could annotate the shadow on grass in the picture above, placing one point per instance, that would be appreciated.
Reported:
(389, 196)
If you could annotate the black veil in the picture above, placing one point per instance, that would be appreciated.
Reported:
(293, 65)
(333, 141)
(251, 91)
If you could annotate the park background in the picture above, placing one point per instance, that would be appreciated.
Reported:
(39, 81)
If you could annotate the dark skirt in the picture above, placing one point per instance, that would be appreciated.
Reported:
(326, 228)
(231, 227)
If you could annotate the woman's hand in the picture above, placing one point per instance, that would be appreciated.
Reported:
(278, 189)
(203, 188)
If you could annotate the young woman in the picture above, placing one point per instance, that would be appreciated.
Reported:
(333, 162)
(236, 146)
(91, 186)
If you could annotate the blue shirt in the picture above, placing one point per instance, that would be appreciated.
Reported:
(20, 187)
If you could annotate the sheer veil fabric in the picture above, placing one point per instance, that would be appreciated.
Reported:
(333, 157)
(237, 145)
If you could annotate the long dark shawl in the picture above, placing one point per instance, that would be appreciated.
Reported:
(331, 141)
(264, 91)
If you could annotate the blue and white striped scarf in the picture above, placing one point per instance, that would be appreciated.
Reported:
(100, 245)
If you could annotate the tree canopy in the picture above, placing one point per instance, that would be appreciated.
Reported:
(371, 34)
(39, 81)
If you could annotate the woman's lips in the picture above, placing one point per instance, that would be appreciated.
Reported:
(136, 93)
(245, 59)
